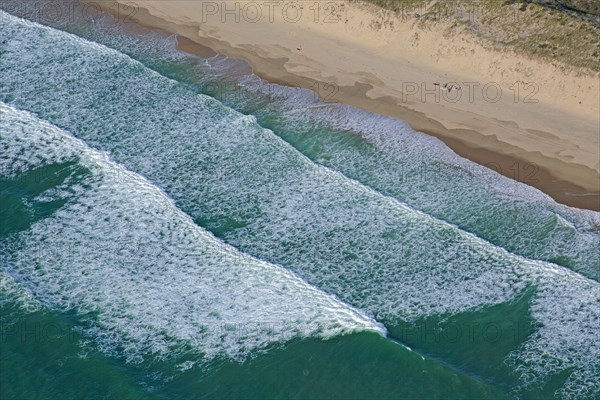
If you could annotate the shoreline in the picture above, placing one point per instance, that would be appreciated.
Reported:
(571, 183)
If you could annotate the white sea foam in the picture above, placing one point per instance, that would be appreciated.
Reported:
(122, 251)
(262, 196)
(420, 170)
(568, 308)
(11, 292)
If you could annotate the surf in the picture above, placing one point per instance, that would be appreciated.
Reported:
(259, 194)
(120, 251)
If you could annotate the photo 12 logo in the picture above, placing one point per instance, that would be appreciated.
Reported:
(68, 11)
(325, 12)
(472, 92)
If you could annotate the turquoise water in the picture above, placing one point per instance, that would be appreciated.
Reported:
(174, 227)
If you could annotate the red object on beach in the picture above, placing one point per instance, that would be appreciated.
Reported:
(299, 48)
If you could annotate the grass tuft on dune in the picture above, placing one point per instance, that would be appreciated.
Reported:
(567, 31)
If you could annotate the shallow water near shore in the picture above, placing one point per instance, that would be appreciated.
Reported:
(178, 228)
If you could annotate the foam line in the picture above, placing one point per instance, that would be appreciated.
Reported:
(121, 249)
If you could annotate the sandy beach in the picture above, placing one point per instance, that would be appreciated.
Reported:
(531, 120)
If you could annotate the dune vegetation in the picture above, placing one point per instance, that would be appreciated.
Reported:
(564, 31)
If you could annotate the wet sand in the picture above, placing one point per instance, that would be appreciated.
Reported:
(562, 159)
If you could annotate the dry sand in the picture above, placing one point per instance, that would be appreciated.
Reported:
(531, 120)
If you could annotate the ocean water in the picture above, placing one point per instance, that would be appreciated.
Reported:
(175, 227)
